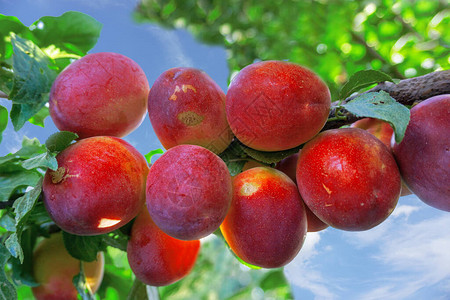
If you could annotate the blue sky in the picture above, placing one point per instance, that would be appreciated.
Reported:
(406, 257)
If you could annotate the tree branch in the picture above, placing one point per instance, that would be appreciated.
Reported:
(3, 95)
(407, 92)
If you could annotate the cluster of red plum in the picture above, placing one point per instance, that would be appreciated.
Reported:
(345, 178)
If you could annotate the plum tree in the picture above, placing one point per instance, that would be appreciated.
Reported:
(266, 224)
(194, 110)
(270, 97)
(156, 258)
(188, 192)
(54, 268)
(99, 186)
(100, 94)
(348, 178)
(423, 156)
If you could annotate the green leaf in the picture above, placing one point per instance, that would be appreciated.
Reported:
(3, 120)
(116, 239)
(84, 248)
(362, 79)
(74, 32)
(7, 289)
(32, 80)
(6, 77)
(9, 182)
(149, 155)
(10, 24)
(39, 118)
(79, 281)
(22, 272)
(381, 105)
(60, 141)
(138, 290)
(22, 208)
(44, 160)
(234, 157)
(269, 157)
(8, 222)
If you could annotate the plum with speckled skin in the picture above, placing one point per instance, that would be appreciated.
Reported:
(348, 178)
(276, 105)
(54, 269)
(288, 166)
(100, 94)
(98, 187)
(423, 155)
(188, 192)
(266, 224)
(156, 258)
(186, 106)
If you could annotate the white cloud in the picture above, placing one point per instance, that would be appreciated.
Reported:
(302, 274)
(175, 52)
(404, 210)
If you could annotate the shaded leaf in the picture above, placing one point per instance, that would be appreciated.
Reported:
(60, 141)
(84, 248)
(381, 105)
(362, 79)
(3, 120)
(9, 182)
(32, 80)
(7, 289)
(39, 118)
(269, 157)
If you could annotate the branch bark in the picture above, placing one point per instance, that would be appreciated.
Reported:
(407, 92)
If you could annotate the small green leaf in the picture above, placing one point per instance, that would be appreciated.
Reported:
(3, 120)
(44, 160)
(39, 118)
(79, 281)
(362, 79)
(7, 289)
(149, 155)
(381, 105)
(32, 81)
(84, 248)
(59, 141)
(73, 32)
(8, 222)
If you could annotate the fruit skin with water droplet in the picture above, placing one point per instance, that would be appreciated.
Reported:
(266, 224)
(101, 94)
(276, 105)
(186, 106)
(54, 269)
(348, 178)
(423, 155)
(99, 186)
(188, 192)
(156, 258)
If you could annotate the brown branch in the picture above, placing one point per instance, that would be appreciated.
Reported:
(407, 92)
(3, 95)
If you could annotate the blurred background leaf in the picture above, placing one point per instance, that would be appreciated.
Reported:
(335, 38)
